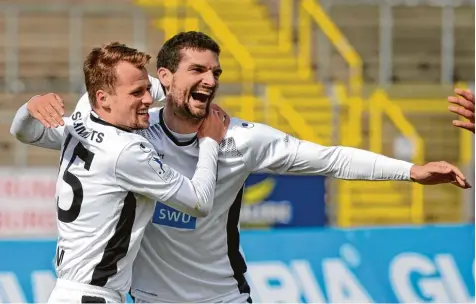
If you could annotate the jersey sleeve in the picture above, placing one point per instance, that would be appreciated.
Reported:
(268, 148)
(348, 163)
(83, 105)
(157, 91)
(30, 131)
(139, 169)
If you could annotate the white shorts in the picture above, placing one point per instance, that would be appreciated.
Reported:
(72, 292)
(235, 298)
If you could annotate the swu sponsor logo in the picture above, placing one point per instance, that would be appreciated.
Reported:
(168, 216)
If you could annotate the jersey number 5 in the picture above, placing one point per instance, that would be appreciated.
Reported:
(68, 216)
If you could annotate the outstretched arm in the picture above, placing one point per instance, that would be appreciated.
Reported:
(348, 163)
(351, 163)
(275, 150)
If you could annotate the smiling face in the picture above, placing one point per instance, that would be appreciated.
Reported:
(129, 101)
(192, 87)
(118, 86)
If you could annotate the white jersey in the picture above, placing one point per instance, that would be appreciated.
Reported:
(108, 181)
(189, 259)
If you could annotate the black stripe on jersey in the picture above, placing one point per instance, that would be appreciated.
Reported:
(237, 261)
(105, 123)
(170, 135)
(65, 145)
(117, 247)
(155, 130)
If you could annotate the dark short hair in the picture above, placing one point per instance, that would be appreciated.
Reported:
(170, 55)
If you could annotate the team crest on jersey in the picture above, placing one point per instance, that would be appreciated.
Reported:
(162, 171)
(247, 125)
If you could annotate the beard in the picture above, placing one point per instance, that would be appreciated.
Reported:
(182, 107)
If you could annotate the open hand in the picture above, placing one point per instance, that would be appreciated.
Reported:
(215, 125)
(463, 105)
(439, 173)
(48, 109)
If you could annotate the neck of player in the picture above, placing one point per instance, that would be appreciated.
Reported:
(110, 119)
(179, 124)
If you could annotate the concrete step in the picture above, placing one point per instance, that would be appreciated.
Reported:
(269, 63)
(269, 77)
(298, 90)
(258, 12)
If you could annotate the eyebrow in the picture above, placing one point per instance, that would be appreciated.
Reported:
(196, 65)
(138, 88)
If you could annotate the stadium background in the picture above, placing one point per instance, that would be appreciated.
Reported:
(364, 73)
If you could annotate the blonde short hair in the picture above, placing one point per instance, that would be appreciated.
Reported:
(99, 67)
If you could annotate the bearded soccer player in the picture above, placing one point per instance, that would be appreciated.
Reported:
(110, 178)
(190, 259)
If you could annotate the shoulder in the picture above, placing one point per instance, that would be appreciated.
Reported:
(157, 92)
(83, 105)
(134, 153)
(248, 134)
(154, 115)
(241, 129)
(87, 127)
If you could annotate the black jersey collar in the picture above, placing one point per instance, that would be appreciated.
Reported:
(98, 120)
(170, 135)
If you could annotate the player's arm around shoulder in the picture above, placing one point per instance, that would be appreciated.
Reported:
(263, 147)
(39, 122)
(140, 169)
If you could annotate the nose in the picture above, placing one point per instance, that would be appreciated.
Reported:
(147, 98)
(209, 79)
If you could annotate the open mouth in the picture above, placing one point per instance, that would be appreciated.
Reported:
(200, 96)
(143, 112)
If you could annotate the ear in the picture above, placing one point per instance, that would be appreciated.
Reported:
(165, 77)
(103, 99)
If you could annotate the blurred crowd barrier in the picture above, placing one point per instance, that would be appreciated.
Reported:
(361, 73)
(400, 265)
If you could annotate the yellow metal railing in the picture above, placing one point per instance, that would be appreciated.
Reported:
(351, 125)
(466, 141)
(303, 130)
(340, 42)
(438, 106)
(278, 105)
(380, 104)
(304, 44)
(219, 29)
(230, 103)
(172, 23)
(311, 10)
(286, 11)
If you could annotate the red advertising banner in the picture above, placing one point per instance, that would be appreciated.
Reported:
(27, 207)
